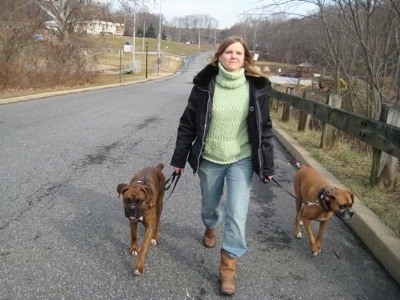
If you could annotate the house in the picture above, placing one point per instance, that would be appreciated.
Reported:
(93, 27)
(305, 70)
(100, 27)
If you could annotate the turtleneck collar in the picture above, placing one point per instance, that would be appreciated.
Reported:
(230, 80)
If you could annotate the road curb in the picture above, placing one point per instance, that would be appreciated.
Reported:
(379, 238)
(58, 93)
(72, 91)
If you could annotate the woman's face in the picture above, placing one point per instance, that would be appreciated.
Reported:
(232, 58)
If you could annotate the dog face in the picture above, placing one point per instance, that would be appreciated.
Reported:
(340, 202)
(135, 200)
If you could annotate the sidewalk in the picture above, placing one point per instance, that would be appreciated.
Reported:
(380, 239)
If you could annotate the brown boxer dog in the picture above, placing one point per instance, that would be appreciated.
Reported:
(143, 202)
(317, 200)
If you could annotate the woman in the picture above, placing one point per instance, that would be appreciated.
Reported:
(225, 134)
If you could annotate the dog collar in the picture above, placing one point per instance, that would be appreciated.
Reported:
(322, 197)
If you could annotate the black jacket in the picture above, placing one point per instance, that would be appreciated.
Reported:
(195, 121)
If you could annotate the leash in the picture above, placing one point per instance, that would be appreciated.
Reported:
(173, 179)
(266, 180)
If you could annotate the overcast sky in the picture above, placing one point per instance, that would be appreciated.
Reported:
(227, 12)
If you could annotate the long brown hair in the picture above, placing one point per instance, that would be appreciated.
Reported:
(248, 64)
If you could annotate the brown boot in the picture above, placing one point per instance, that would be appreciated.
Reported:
(227, 270)
(209, 239)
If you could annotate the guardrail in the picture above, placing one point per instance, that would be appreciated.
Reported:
(377, 133)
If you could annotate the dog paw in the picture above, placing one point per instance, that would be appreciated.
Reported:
(315, 253)
(299, 235)
(153, 242)
(137, 272)
(134, 253)
(301, 223)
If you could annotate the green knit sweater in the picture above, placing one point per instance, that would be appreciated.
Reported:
(227, 140)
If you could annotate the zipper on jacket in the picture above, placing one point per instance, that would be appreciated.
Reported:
(259, 150)
(204, 131)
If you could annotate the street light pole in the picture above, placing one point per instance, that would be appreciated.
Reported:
(147, 51)
(134, 37)
(159, 44)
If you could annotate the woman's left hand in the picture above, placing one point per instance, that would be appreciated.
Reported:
(267, 179)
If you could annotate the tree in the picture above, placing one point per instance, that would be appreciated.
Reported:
(360, 42)
(64, 14)
(137, 12)
(59, 12)
(151, 32)
(28, 46)
(139, 32)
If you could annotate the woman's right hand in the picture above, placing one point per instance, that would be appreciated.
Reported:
(179, 170)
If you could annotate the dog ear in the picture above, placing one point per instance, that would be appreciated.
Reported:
(149, 192)
(121, 188)
(351, 196)
(145, 181)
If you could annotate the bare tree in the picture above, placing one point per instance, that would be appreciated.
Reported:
(59, 12)
(360, 43)
(371, 27)
(63, 14)
(27, 48)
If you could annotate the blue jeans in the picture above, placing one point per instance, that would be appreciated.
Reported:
(238, 178)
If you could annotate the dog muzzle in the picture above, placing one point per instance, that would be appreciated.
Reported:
(345, 214)
(133, 214)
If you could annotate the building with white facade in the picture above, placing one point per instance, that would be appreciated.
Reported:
(93, 27)
(100, 27)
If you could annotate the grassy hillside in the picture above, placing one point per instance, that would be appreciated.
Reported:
(171, 57)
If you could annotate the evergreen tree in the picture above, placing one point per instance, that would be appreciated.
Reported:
(151, 32)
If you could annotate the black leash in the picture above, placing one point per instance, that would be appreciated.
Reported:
(266, 180)
(174, 178)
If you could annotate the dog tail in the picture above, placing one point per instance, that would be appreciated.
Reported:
(160, 166)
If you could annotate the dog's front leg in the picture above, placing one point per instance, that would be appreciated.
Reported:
(149, 231)
(134, 250)
(311, 239)
(156, 237)
(318, 242)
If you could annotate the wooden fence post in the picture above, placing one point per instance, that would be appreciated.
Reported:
(328, 131)
(383, 171)
(286, 107)
(304, 119)
(274, 105)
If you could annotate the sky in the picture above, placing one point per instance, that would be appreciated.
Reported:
(227, 12)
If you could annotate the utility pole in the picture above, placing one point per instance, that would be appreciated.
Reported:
(159, 44)
(134, 38)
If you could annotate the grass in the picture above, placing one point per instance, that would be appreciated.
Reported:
(352, 168)
(171, 54)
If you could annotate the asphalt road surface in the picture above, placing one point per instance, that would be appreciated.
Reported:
(63, 234)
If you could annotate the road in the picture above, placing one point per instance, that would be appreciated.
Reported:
(63, 234)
